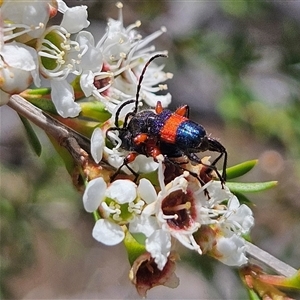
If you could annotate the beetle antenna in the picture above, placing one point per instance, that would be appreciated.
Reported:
(141, 79)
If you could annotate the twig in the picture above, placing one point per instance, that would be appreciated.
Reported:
(76, 144)
(267, 259)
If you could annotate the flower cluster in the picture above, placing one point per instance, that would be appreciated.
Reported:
(107, 70)
(208, 218)
(179, 210)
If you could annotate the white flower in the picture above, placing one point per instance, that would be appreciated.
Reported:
(62, 95)
(118, 204)
(171, 208)
(223, 208)
(74, 18)
(125, 53)
(159, 245)
(182, 207)
(97, 145)
(238, 218)
(220, 209)
(25, 17)
(18, 67)
(94, 194)
(107, 232)
(152, 83)
(231, 250)
(61, 56)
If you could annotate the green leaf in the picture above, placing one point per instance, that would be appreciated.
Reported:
(253, 295)
(240, 169)
(152, 177)
(95, 110)
(133, 247)
(243, 199)
(37, 92)
(251, 187)
(44, 104)
(32, 137)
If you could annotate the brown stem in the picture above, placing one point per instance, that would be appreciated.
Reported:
(269, 260)
(77, 145)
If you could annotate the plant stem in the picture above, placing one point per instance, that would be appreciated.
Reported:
(76, 144)
(267, 259)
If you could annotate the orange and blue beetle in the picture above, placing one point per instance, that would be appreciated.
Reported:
(162, 131)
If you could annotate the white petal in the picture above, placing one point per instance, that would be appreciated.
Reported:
(122, 191)
(97, 145)
(233, 203)
(151, 99)
(232, 250)
(147, 191)
(62, 6)
(75, 19)
(91, 56)
(143, 164)
(14, 81)
(143, 223)
(113, 157)
(31, 13)
(94, 194)
(243, 216)
(87, 82)
(150, 209)
(62, 95)
(21, 67)
(19, 56)
(108, 233)
(159, 245)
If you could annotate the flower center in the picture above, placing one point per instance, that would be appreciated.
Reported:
(121, 213)
(178, 210)
(59, 54)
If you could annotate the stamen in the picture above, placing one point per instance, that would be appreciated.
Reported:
(170, 217)
(163, 87)
(195, 245)
(151, 37)
(136, 207)
(186, 206)
(12, 27)
(137, 24)
(119, 5)
(116, 138)
(169, 75)
(108, 208)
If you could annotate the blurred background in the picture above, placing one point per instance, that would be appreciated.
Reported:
(237, 65)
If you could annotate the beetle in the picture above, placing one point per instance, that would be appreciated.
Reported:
(162, 131)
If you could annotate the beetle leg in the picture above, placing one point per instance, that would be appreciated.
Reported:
(179, 165)
(212, 167)
(127, 160)
(214, 145)
(155, 151)
(140, 138)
